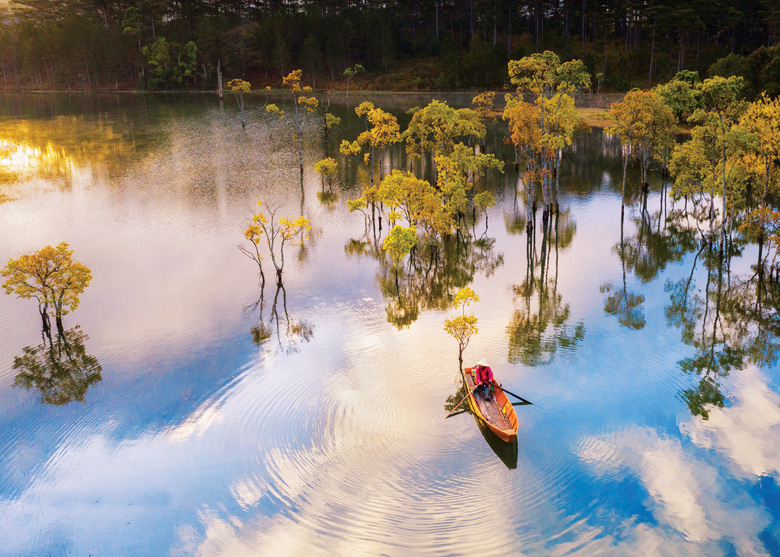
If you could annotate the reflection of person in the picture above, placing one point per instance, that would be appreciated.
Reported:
(483, 377)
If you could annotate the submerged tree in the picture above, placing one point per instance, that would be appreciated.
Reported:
(399, 243)
(543, 128)
(762, 159)
(382, 131)
(327, 168)
(287, 230)
(484, 104)
(51, 277)
(349, 73)
(436, 129)
(302, 106)
(330, 122)
(462, 327)
(710, 163)
(239, 88)
(646, 127)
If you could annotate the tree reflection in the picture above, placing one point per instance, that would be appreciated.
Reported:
(59, 368)
(661, 239)
(735, 321)
(539, 326)
(289, 332)
(625, 305)
(432, 276)
(328, 199)
(434, 271)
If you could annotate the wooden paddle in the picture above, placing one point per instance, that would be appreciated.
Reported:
(513, 394)
(461, 401)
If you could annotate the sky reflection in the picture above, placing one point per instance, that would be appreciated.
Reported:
(199, 440)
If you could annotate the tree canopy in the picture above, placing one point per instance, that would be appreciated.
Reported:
(52, 277)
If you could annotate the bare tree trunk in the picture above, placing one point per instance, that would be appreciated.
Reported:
(471, 17)
(219, 79)
(495, 24)
(86, 64)
(652, 52)
(437, 21)
(509, 36)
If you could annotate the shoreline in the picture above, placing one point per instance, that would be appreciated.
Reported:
(592, 107)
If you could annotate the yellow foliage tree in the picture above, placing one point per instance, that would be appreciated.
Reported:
(484, 105)
(327, 167)
(646, 127)
(553, 83)
(382, 130)
(438, 127)
(302, 105)
(287, 230)
(762, 121)
(462, 327)
(452, 175)
(239, 87)
(51, 277)
(399, 243)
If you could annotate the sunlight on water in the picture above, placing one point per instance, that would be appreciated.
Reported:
(196, 413)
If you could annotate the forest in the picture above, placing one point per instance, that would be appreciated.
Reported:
(402, 45)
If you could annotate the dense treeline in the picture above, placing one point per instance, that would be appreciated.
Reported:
(406, 44)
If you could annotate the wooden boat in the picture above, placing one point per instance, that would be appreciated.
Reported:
(497, 414)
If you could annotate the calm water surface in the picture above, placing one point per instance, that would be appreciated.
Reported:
(205, 416)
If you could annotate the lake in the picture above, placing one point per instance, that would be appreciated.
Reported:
(204, 415)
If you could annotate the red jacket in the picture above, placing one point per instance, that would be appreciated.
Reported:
(483, 374)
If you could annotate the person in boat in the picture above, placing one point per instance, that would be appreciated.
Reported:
(483, 377)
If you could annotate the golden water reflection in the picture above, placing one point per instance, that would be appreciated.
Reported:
(34, 152)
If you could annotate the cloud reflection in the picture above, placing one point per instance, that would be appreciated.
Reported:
(747, 431)
(687, 495)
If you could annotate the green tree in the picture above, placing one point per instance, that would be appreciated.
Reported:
(453, 182)
(170, 63)
(682, 95)
(349, 73)
(436, 129)
(715, 144)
